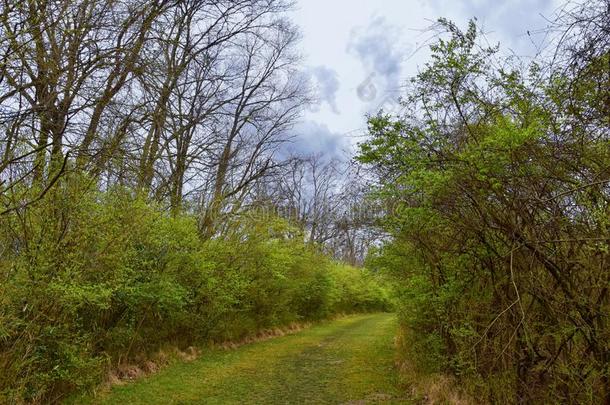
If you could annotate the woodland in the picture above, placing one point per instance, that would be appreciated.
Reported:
(148, 200)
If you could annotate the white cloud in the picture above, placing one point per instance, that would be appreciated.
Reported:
(353, 41)
(381, 50)
(312, 137)
(326, 84)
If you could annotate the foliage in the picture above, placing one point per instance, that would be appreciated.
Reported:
(92, 279)
(499, 177)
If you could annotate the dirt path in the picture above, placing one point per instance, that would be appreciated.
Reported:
(345, 361)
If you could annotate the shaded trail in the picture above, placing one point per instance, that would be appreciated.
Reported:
(345, 361)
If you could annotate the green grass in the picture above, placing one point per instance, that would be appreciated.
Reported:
(345, 361)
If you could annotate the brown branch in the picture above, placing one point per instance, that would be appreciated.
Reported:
(44, 192)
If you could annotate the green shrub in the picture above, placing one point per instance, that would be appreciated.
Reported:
(94, 279)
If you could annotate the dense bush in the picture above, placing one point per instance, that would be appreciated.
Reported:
(91, 279)
(499, 183)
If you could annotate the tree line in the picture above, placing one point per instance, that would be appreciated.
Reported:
(146, 196)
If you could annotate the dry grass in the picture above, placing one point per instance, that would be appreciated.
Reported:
(265, 334)
(146, 366)
(434, 388)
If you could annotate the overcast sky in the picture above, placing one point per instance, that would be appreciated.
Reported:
(359, 53)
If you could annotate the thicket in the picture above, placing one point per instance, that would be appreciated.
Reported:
(104, 276)
(498, 179)
(138, 168)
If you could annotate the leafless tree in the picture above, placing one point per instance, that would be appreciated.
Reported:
(162, 96)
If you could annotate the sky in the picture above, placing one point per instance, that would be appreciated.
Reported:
(359, 53)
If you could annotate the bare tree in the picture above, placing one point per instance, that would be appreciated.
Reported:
(64, 63)
(267, 97)
(157, 95)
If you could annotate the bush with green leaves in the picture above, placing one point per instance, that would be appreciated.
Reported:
(93, 279)
(499, 238)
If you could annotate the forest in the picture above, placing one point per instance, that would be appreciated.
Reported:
(149, 200)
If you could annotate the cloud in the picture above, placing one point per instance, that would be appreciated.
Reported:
(312, 137)
(379, 49)
(516, 21)
(326, 84)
